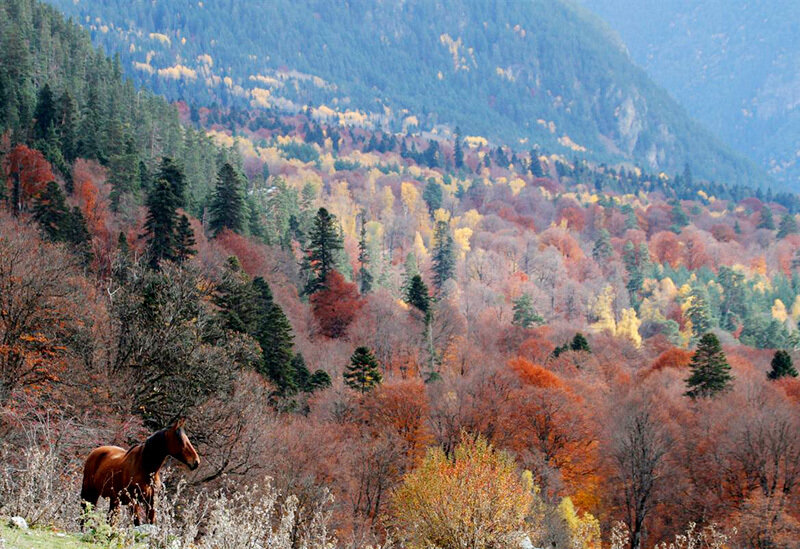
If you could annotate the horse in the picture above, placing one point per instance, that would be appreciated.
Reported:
(131, 477)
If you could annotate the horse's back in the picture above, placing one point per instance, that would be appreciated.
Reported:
(98, 468)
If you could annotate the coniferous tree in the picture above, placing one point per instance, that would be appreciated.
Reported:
(417, 295)
(787, 226)
(123, 172)
(710, 369)
(324, 243)
(444, 260)
(580, 343)
(535, 165)
(525, 314)
(699, 312)
(173, 172)
(45, 114)
(227, 209)
(781, 366)
(364, 275)
(767, 221)
(184, 240)
(363, 373)
(458, 151)
(237, 299)
(51, 211)
(66, 122)
(274, 335)
(432, 195)
(602, 249)
(161, 222)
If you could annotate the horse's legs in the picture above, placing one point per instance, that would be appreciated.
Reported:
(113, 506)
(89, 497)
(136, 511)
(151, 510)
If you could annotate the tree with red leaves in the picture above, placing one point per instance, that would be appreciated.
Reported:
(26, 172)
(336, 306)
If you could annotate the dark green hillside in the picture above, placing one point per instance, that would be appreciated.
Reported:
(541, 71)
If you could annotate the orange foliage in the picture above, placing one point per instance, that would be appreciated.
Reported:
(574, 218)
(534, 375)
(665, 248)
(252, 256)
(336, 306)
(675, 357)
(563, 242)
(31, 169)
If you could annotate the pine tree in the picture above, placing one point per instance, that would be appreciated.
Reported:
(787, 226)
(710, 369)
(67, 126)
(536, 165)
(458, 152)
(237, 299)
(781, 366)
(324, 243)
(432, 195)
(525, 315)
(580, 343)
(184, 240)
(602, 246)
(766, 222)
(444, 261)
(172, 172)
(227, 209)
(51, 211)
(123, 173)
(45, 114)
(274, 335)
(363, 373)
(699, 312)
(160, 223)
(417, 295)
(364, 275)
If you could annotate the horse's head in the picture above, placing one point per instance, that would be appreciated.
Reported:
(179, 447)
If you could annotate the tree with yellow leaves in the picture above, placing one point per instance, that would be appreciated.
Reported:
(474, 498)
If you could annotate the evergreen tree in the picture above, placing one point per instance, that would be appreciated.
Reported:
(525, 315)
(410, 269)
(363, 373)
(458, 152)
(602, 246)
(444, 260)
(66, 121)
(324, 243)
(432, 195)
(766, 222)
(237, 300)
(710, 369)
(364, 275)
(579, 343)
(274, 335)
(45, 114)
(160, 223)
(184, 240)
(781, 366)
(123, 173)
(787, 226)
(417, 295)
(679, 218)
(536, 165)
(227, 209)
(699, 312)
(51, 211)
(173, 173)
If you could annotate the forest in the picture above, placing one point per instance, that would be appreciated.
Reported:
(381, 338)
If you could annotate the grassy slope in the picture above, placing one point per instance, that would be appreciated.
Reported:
(41, 539)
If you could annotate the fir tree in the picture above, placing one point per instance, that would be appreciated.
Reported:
(679, 218)
(602, 246)
(444, 260)
(324, 243)
(525, 315)
(417, 295)
(274, 335)
(432, 195)
(710, 369)
(237, 300)
(173, 173)
(699, 312)
(364, 275)
(580, 343)
(45, 114)
(787, 226)
(766, 222)
(160, 223)
(227, 209)
(51, 211)
(363, 373)
(458, 152)
(781, 366)
(535, 165)
(123, 173)
(184, 240)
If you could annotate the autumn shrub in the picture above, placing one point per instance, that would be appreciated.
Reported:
(474, 498)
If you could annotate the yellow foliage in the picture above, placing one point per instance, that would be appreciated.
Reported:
(177, 72)
(470, 219)
(261, 97)
(441, 215)
(419, 247)
(603, 310)
(584, 529)
(163, 38)
(387, 201)
(779, 311)
(628, 326)
(461, 238)
(475, 141)
(516, 185)
(795, 312)
(410, 196)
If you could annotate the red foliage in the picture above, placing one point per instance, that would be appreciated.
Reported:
(534, 375)
(672, 358)
(336, 306)
(574, 218)
(252, 256)
(31, 169)
(665, 248)
(723, 233)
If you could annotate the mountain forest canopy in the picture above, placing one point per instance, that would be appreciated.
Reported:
(416, 338)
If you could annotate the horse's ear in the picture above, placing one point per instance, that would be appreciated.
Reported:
(179, 424)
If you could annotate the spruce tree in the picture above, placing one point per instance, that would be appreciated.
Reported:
(710, 370)
(787, 226)
(458, 151)
(364, 275)
(525, 315)
(536, 165)
(184, 240)
(237, 299)
(45, 114)
(51, 211)
(160, 223)
(123, 173)
(580, 343)
(363, 373)
(781, 366)
(602, 246)
(432, 195)
(274, 335)
(227, 209)
(444, 260)
(766, 222)
(173, 172)
(324, 243)
(417, 295)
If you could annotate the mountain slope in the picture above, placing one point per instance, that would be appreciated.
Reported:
(537, 71)
(734, 66)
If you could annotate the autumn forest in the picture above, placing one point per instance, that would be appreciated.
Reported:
(403, 338)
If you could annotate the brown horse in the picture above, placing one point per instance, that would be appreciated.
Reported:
(131, 477)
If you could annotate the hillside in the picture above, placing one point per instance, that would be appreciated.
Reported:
(536, 71)
(734, 68)
(380, 337)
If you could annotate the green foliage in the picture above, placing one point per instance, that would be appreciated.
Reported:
(417, 295)
(787, 226)
(433, 197)
(766, 220)
(161, 223)
(227, 208)
(363, 373)
(525, 314)
(602, 249)
(782, 366)
(710, 370)
(443, 255)
(579, 343)
(364, 275)
(324, 242)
